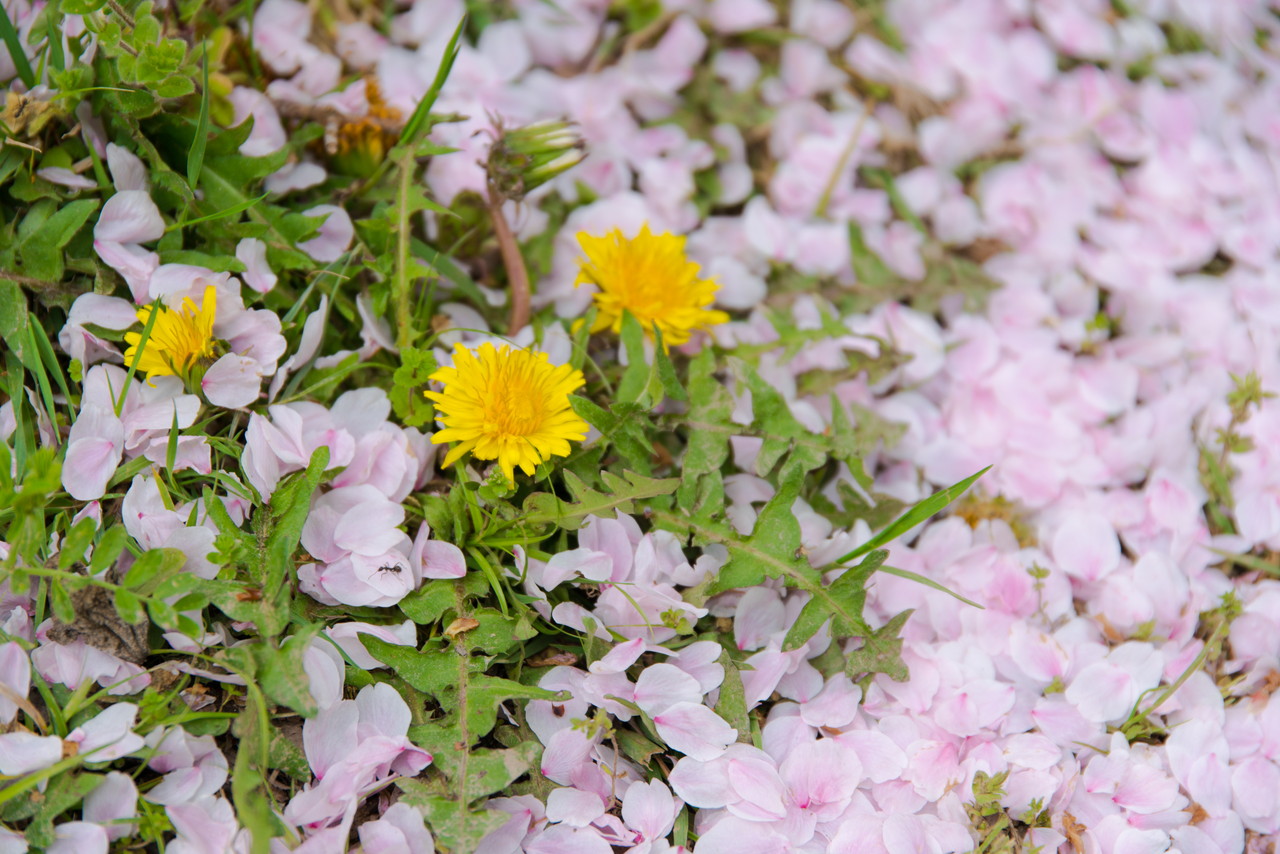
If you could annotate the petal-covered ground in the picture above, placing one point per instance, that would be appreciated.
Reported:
(580, 426)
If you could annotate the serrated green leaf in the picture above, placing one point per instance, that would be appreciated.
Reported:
(429, 602)
(63, 792)
(456, 827)
(773, 549)
(849, 589)
(619, 427)
(867, 266)
(281, 674)
(541, 507)
(487, 771)
(429, 670)
(881, 652)
(408, 383)
(781, 433)
(498, 633)
(476, 707)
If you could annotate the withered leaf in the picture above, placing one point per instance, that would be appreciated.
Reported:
(460, 625)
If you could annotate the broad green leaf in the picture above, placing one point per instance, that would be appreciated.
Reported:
(641, 750)
(13, 320)
(290, 504)
(732, 704)
(129, 607)
(284, 755)
(108, 549)
(637, 379)
(76, 543)
(152, 567)
(647, 377)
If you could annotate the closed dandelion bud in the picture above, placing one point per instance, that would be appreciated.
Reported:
(523, 159)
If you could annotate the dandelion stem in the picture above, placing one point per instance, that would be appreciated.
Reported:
(517, 273)
(404, 320)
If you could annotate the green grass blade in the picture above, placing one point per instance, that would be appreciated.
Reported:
(41, 377)
(231, 211)
(195, 157)
(45, 346)
(927, 582)
(137, 356)
(23, 439)
(53, 46)
(12, 41)
(913, 517)
(419, 117)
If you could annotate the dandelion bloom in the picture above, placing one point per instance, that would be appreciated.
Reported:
(178, 340)
(507, 405)
(651, 277)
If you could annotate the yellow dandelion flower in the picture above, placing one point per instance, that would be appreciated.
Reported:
(507, 405)
(651, 277)
(178, 340)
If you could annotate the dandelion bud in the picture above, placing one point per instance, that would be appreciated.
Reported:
(525, 158)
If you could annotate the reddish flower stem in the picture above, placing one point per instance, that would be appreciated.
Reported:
(517, 273)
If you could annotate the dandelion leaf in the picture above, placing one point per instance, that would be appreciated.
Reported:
(881, 652)
(621, 493)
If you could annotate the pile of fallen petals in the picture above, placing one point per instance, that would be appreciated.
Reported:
(1106, 173)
